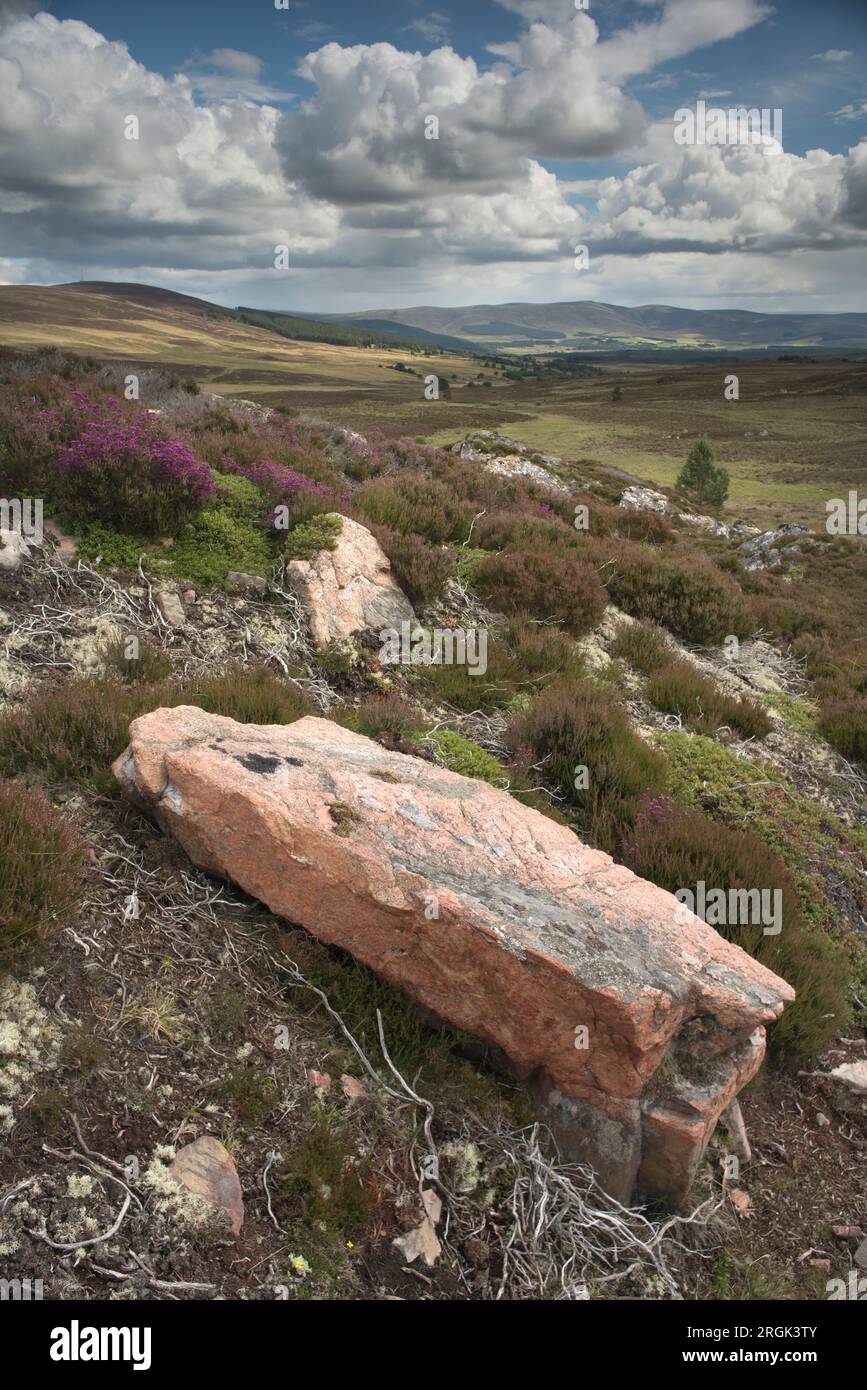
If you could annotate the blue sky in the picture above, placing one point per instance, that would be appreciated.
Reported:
(303, 127)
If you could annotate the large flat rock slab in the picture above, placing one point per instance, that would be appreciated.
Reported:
(489, 914)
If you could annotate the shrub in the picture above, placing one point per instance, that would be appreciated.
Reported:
(415, 505)
(678, 688)
(324, 1182)
(71, 733)
(310, 537)
(642, 645)
(513, 530)
(388, 714)
(143, 665)
(124, 471)
(545, 585)
(843, 722)
(701, 477)
(42, 871)
(686, 594)
(649, 528)
(420, 569)
(542, 650)
(455, 685)
(251, 1094)
(248, 694)
(578, 726)
(74, 732)
(678, 847)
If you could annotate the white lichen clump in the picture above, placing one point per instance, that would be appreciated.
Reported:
(29, 1043)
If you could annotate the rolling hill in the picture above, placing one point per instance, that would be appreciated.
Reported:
(229, 349)
(87, 300)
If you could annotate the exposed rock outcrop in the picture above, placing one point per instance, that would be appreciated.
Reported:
(646, 499)
(350, 588)
(636, 1028)
(764, 551)
(514, 466)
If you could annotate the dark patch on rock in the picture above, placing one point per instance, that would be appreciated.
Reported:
(258, 762)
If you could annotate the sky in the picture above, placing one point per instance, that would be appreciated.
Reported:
(279, 153)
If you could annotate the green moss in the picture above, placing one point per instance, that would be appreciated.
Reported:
(797, 713)
(309, 537)
(462, 755)
(238, 494)
(220, 540)
(468, 561)
(99, 542)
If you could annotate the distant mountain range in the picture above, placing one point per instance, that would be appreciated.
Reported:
(583, 326)
(586, 323)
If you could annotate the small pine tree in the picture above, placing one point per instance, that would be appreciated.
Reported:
(702, 477)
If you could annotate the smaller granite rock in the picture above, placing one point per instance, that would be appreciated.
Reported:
(704, 523)
(13, 549)
(349, 589)
(853, 1075)
(237, 579)
(514, 466)
(171, 608)
(206, 1168)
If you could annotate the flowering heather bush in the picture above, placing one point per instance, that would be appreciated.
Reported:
(122, 470)
(240, 444)
(35, 423)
